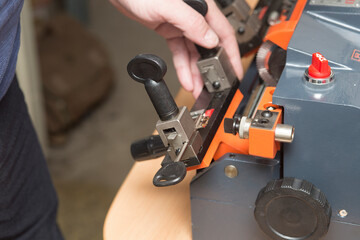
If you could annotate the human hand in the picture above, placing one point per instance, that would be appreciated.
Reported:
(182, 26)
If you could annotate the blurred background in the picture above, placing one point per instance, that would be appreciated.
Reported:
(85, 108)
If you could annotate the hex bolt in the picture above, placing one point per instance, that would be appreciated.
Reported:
(263, 121)
(231, 171)
(266, 114)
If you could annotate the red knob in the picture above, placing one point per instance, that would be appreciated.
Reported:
(319, 67)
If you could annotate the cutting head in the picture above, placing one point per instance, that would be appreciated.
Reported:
(270, 61)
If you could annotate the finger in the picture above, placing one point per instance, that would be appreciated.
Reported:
(195, 73)
(198, 87)
(190, 22)
(123, 10)
(181, 61)
(226, 33)
(168, 31)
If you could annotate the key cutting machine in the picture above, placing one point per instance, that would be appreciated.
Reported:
(255, 178)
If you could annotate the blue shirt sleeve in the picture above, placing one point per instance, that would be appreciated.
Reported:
(9, 41)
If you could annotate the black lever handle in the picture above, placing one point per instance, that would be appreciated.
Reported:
(148, 148)
(225, 3)
(201, 7)
(149, 70)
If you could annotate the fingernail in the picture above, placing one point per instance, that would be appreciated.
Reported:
(211, 38)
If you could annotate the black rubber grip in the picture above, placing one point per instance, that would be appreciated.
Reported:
(201, 7)
(148, 148)
(162, 99)
(149, 70)
(225, 3)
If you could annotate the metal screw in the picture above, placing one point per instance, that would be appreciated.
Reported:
(231, 171)
(266, 114)
(343, 213)
(241, 30)
(216, 85)
(273, 18)
(177, 151)
(218, 95)
(263, 121)
(270, 108)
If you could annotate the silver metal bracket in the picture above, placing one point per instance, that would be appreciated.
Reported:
(217, 72)
(266, 120)
(238, 10)
(180, 135)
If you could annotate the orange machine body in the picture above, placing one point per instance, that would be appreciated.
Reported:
(261, 142)
(223, 142)
(281, 33)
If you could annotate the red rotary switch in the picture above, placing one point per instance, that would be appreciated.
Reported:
(319, 67)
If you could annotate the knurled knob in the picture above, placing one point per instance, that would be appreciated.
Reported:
(292, 208)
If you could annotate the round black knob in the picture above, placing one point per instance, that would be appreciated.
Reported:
(291, 208)
(147, 66)
(149, 70)
(148, 148)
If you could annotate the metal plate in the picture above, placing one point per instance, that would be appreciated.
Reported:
(263, 122)
(336, 3)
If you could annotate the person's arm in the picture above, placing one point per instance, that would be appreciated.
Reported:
(182, 26)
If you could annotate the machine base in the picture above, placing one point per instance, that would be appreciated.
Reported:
(223, 200)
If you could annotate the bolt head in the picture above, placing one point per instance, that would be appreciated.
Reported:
(241, 30)
(343, 213)
(231, 171)
(267, 114)
(216, 85)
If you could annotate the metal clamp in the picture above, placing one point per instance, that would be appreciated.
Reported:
(217, 72)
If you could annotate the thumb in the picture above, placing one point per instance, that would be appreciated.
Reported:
(190, 22)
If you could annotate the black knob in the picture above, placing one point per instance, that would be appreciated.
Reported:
(149, 70)
(148, 148)
(201, 7)
(292, 208)
(232, 125)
